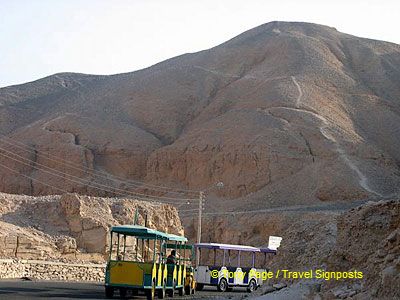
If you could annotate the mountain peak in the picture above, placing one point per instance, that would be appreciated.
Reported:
(276, 28)
(286, 108)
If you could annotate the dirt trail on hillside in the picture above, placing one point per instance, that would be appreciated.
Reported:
(324, 129)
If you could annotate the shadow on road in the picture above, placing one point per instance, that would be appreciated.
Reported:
(71, 290)
(49, 290)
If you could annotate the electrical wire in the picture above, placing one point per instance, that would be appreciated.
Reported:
(49, 185)
(187, 210)
(91, 184)
(62, 190)
(80, 179)
(100, 173)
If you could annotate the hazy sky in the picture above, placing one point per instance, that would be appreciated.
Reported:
(43, 37)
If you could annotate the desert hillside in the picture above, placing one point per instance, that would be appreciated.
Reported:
(365, 238)
(285, 113)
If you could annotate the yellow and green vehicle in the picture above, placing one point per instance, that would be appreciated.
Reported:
(176, 274)
(190, 282)
(136, 263)
(185, 257)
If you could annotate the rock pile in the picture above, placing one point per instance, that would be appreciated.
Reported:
(365, 239)
(369, 239)
(43, 270)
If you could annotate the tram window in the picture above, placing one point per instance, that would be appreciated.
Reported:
(259, 263)
(130, 248)
(116, 247)
(233, 257)
(219, 258)
(246, 259)
(206, 257)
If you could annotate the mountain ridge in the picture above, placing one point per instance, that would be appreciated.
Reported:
(277, 103)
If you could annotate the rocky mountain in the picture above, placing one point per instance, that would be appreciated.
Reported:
(328, 237)
(285, 113)
(72, 227)
(366, 238)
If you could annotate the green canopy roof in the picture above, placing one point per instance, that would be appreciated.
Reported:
(140, 232)
(146, 233)
(176, 238)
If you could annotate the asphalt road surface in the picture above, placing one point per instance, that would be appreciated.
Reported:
(17, 289)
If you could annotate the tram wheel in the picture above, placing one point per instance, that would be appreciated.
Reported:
(151, 293)
(171, 291)
(109, 292)
(161, 293)
(222, 285)
(252, 286)
(122, 293)
(187, 290)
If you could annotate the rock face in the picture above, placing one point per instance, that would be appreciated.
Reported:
(365, 239)
(283, 109)
(369, 238)
(72, 226)
(254, 229)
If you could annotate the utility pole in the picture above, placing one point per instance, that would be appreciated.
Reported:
(201, 200)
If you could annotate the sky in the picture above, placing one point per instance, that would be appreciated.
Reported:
(43, 37)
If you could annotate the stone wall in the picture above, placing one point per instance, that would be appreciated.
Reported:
(47, 270)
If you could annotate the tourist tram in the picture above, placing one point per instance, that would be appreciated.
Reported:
(185, 257)
(176, 271)
(137, 263)
(230, 266)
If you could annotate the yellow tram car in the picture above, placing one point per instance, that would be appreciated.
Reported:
(187, 256)
(136, 263)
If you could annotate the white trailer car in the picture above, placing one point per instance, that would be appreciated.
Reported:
(225, 273)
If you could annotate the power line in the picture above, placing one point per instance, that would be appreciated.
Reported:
(97, 186)
(100, 173)
(65, 191)
(49, 185)
(188, 210)
(93, 172)
(80, 179)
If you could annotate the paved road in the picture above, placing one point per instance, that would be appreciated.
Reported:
(17, 289)
(338, 206)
